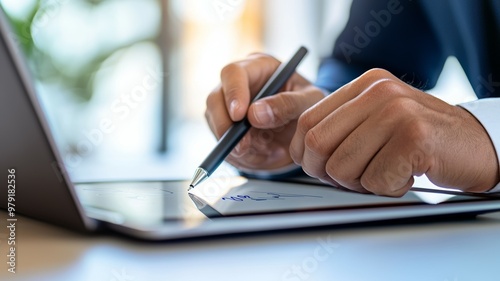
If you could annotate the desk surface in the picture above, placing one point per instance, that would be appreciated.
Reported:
(441, 251)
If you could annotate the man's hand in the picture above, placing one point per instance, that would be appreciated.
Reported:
(376, 133)
(273, 119)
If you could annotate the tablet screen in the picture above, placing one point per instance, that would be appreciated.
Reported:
(151, 203)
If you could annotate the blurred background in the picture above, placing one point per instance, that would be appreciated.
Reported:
(124, 82)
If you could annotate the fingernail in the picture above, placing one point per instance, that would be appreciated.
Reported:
(263, 113)
(233, 106)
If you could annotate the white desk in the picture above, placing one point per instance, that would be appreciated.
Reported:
(444, 251)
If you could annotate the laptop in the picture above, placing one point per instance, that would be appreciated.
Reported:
(36, 185)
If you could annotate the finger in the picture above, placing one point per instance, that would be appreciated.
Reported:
(259, 140)
(352, 156)
(324, 138)
(321, 110)
(256, 138)
(318, 136)
(390, 172)
(242, 80)
(259, 149)
(216, 113)
(236, 89)
(281, 109)
(348, 92)
(242, 146)
(255, 159)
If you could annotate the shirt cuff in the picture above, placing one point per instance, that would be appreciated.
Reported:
(487, 112)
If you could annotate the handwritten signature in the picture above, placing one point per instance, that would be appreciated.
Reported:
(266, 196)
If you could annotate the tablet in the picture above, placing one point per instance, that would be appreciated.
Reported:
(165, 210)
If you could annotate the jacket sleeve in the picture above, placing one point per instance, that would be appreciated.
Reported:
(390, 34)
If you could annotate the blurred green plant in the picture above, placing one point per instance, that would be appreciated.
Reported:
(79, 83)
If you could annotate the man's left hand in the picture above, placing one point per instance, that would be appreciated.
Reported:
(377, 132)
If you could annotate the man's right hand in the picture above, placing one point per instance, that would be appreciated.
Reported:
(273, 119)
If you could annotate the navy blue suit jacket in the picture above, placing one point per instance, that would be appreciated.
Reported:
(413, 38)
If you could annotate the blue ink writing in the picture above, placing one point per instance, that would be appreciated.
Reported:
(265, 196)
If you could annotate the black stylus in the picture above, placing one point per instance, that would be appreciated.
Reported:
(236, 132)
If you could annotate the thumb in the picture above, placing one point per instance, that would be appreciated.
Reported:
(281, 109)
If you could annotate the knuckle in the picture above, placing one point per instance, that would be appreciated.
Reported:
(371, 78)
(337, 171)
(259, 55)
(305, 122)
(381, 89)
(211, 100)
(310, 171)
(263, 57)
(350, 149)
(314, 144)
(376, 73)
(388, 183)
(386, 85)
(397, 108)
(337, 174)
(372, 184)
(229, 70)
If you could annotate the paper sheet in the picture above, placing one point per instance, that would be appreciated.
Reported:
(238, 195)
